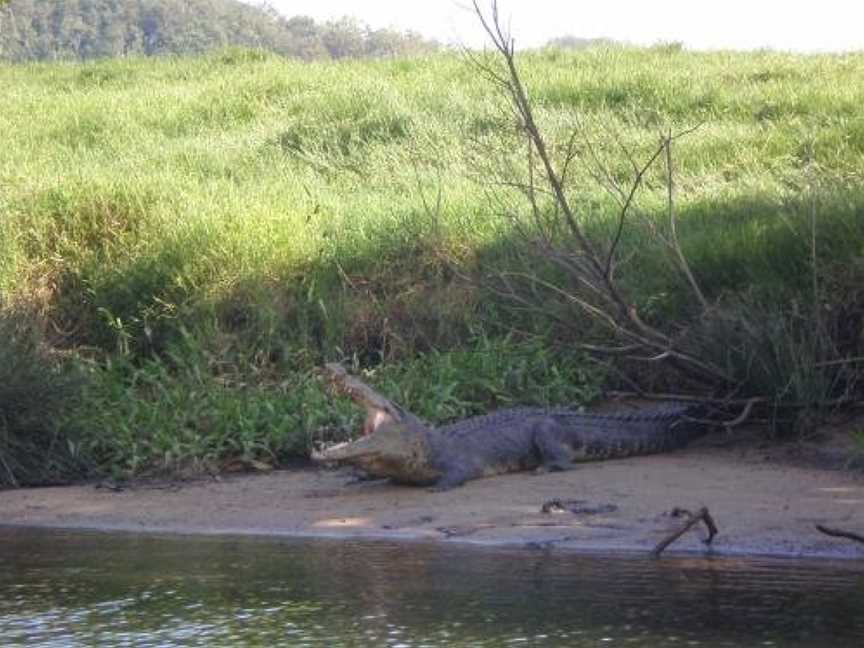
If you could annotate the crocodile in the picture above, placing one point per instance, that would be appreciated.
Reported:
(399, 445)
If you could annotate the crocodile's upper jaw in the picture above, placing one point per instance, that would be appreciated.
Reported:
(397, 450)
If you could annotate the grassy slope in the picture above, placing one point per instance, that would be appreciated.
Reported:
(217, 226)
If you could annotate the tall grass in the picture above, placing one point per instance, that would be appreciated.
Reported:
(35, 391)
(278, 214)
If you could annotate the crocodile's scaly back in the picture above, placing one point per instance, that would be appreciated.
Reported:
(553, 439)
(660, 415)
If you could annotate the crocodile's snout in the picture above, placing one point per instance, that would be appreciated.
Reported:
(399, 451)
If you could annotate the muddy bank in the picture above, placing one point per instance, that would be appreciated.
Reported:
(762, 505)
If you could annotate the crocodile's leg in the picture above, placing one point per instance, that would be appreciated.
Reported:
(554, 454)
(451, 479)
(360, 476)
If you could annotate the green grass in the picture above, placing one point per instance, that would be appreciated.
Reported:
(269, 215)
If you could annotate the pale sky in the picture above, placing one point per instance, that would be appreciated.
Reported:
(804, 25)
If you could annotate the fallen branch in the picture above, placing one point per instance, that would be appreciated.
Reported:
(702, 515)
(839, 533)
(743, 417)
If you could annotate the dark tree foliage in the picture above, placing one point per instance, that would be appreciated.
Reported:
(86, 29)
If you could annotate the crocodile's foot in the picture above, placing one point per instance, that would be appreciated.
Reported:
(361, 477)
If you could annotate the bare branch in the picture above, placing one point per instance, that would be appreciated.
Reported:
(522, 105)
(569, 155)
(612, 351)
(676, 246)
(589, 267)
(840, 361)
(637, 182)
(744, 416)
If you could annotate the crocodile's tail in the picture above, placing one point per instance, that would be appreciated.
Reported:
(669, 426)
(667, 410)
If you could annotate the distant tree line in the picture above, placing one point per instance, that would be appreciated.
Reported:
(577, 42)
(39, 30)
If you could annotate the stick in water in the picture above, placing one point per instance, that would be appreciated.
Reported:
(702, 515)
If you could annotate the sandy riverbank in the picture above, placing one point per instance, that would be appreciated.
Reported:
(762, 505)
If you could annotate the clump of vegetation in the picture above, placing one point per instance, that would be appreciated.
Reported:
(37, 392)
(174, 416)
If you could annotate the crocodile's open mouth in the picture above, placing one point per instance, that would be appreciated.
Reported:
(341, 452)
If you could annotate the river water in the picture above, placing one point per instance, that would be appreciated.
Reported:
(79, 589)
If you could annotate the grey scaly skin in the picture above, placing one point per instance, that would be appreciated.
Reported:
(411, 452)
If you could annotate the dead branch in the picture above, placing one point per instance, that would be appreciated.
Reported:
(744, 416)
(628, 200)
(570, 154)
(840, 361)
(640, 338)
(676, 246)
(524, 110)
(701, 515)
(598, 294)
(839, 533)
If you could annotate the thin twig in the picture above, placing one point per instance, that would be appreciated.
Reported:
(676, 246)
(12, 481)
(504, 44)
(628, 200)
(570, 154)
(839, 533)
(745, 414)
(841, 361)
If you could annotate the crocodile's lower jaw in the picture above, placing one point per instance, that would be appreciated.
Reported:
(340, 452)
(400, 471)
